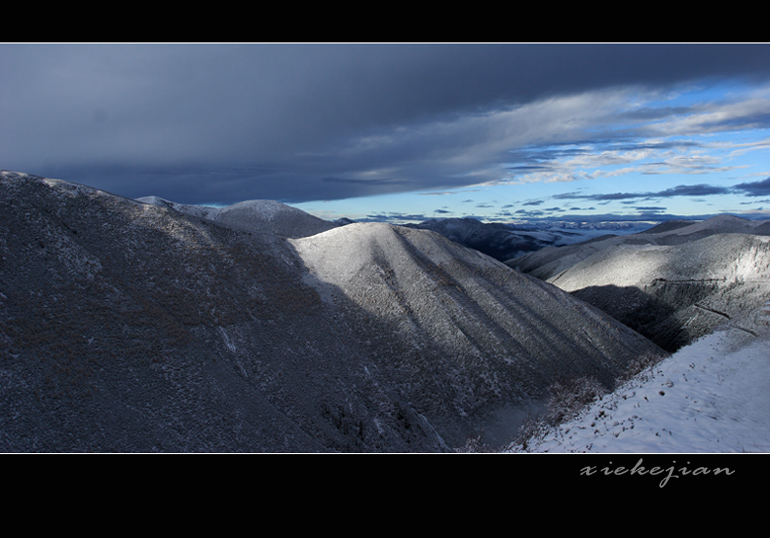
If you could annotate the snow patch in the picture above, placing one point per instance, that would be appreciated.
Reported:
(227, 340)
(712, 396)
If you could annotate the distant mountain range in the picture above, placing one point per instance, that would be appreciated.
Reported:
(504, 241)
(674, 282)
(150, 326)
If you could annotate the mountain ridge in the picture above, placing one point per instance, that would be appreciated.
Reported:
(259, 216)
(505, 241)
(673, 283)
(135, 327)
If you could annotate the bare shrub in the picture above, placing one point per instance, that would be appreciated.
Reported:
(474, 445)
(567, 397)
(641, 363)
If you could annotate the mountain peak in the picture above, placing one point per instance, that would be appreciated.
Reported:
(255, 216)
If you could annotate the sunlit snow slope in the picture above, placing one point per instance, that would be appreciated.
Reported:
(712, 396)
(674, 283)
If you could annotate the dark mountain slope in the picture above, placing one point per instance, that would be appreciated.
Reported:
(135, 327)
(123, 323)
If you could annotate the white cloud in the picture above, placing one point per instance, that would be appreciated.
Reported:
(656, 147)
(751, 111)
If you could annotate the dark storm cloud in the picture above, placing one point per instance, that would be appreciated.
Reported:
(680, 190)
(758, 188)
(529, 213)
(353, 181)
(610, 196)
(395, 217)
(692, 190)
(201, 123)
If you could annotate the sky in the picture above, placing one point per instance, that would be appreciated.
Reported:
(401, 131)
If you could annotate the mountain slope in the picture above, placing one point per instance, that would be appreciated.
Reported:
(500, 338)
(136, 327)
(711, 396)
(548, 262)
(674, 283)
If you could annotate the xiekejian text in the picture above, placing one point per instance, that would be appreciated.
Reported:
(666, 473)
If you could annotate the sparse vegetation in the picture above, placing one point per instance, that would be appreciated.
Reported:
(566, 398)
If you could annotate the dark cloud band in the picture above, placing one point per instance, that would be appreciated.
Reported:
(680, 190)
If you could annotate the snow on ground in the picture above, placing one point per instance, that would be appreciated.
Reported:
(712, 396)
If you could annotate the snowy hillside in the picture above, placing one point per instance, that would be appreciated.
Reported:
(256, 216)
(673, 283)
(549, 262)
(712, 396)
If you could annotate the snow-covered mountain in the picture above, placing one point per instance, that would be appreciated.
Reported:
(673, 283)
(549, 262)
(140, 327)
(258, 216)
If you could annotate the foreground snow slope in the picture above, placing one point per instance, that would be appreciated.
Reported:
(710, 397)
